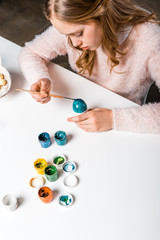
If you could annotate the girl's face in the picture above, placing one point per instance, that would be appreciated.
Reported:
(85, 36)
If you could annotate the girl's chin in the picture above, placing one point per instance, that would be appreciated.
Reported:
(94, 48)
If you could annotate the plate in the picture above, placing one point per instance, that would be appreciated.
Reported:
(4, 89)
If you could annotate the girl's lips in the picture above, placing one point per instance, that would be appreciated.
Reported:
(85, 48)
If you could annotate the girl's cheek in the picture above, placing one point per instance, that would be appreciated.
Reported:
(89, 37)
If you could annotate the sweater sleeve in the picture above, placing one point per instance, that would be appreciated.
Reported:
(146, 118)
(35, 55)
(142, 119)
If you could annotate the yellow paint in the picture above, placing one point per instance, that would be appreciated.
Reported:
(40, 164)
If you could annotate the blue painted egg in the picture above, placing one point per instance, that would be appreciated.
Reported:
(79, 105)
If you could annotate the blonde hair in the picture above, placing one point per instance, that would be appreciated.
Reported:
(111, 14)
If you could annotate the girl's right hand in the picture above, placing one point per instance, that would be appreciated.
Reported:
(42, 87)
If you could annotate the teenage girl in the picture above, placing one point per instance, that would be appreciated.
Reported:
(113, 43)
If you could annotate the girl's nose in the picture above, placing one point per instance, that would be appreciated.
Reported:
(76, 42)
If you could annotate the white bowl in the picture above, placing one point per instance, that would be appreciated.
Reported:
(4, 89)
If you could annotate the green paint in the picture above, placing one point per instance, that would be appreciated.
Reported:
(59, 160)
(51, 171)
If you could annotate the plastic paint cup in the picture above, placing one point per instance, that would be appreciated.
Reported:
(65, 200)
(44, 139)
(36, 182)
(40, 164)
(60, 138)
(70, 181)
(51, 173)
(10, 202)
(69, 167)
(45, 194)
(58, 160)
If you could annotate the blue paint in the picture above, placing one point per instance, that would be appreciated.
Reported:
(79, 106)
(65, 200)
(69, 167)
(60, 138)
(44, 139)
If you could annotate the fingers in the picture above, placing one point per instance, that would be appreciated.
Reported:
(83, 121)
(45, 86)
(79, 118)
(94, 120)
(41, 98)
(42, 87)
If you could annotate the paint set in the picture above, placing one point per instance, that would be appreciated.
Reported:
(51, 171)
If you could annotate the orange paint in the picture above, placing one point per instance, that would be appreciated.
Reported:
(45, 194)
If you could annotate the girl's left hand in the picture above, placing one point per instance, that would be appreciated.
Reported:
(94, 120)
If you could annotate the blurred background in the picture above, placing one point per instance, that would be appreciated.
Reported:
(21, 20)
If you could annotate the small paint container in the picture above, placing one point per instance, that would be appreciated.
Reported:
(79, 105)
(44, 139)
(36, 182)
(60, 138)
(40, 164)
(69, 167)
(70, 181)
(45, 194)
(10, 202)
(58, 160)
(65, 200)
(51, 173)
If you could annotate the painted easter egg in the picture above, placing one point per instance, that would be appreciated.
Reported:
(79, 105)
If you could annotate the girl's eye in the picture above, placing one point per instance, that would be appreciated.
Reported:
(80, 34)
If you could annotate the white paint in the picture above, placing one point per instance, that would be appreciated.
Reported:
(36, 182)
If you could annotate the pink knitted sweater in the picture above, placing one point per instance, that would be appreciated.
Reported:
(139, 67)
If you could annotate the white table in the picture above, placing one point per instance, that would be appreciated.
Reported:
(118, 194)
